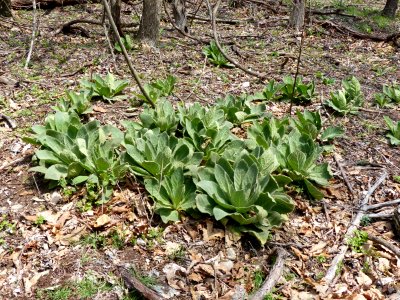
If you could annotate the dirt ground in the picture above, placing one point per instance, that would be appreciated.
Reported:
(70, 257)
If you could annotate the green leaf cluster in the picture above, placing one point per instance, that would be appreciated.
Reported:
(159, 88)
(75, 102)
(389, 96)
(294, 147)
(242, 198)
(349, 99)
(215, 56)
(108, 88)
(126, 41)
(394, 131)
(301, 93)
(240, 109)
(73, 152)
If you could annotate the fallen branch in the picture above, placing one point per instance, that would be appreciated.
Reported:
(67, 26)
(213, 15)
(382, 216)
(133, 283)
(274, 275)
(226, 21)
(125, 53)
(384, 243)
(331, 273)
(8, 81)
(344, 176)
(393, 37)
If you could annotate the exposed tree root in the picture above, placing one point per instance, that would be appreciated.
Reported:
(133, 283)
(66, 28)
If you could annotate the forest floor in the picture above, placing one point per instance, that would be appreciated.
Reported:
(69, 253)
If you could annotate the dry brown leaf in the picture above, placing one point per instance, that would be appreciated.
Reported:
(316, 249)
(196, 277)
(102, 220)
(97, 108)
(363, 280)
(205, 268)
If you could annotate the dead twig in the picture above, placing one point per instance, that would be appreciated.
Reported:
(77, 71)
(213, 15)
(384, 243)
(344, 176)
(383, 204)
(133, 283)
(26, 157)
(274, 275)
(331, 273)
(125, 53)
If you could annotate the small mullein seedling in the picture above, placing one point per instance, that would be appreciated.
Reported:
(108, 88)
(382, 100)
(392, 92)
(77, 102)
(158, 89)
(394, 131)
(298, 92)
(215, 56)
(128, 43)
(347, 100)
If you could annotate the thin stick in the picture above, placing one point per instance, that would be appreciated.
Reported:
(125, 53)
(274, 275)
(384, 243)
(213, 16)
(297, 69)
(331, 273)
(110, 47)
(383, 204)
(345, 178)
(17, 161)
(380, 216)
(34, 28)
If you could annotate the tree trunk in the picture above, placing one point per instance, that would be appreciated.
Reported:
(179, 10)
(297, 16)
(5, 8)
(390, 8)
(150, 22)
(115, 6)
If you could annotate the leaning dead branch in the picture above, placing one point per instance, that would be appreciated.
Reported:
(331, 273)
(213, 15)
(125, 53)
(274, 275)
(34, 29)
(182, 31)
